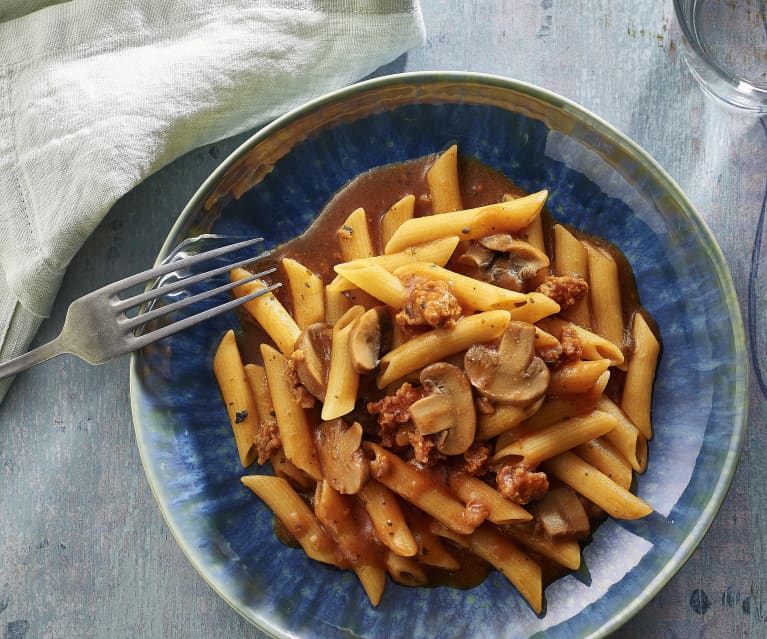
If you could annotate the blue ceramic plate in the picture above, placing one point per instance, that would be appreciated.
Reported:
(599, 181)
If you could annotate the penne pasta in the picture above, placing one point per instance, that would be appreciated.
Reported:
(295, 515)
(436, 252)
(637, 389)
(593, 346)
(605, 295)
(307, 292)
(400, 211)
(269, 312)
(471, 293)
(583, 478)
(570, 259)
(575, 378)
(420, 487)
(376, 281)
(442, 179)
(429, 413)
(566, 552)
(354, 236)
(601, 454)
(625, 437)
(292, 420)
(343, 379)
(440, 343)
(473, 491)
(388, 520)
(469, 224)
(238, 399)
(557, 438)
(334, 511)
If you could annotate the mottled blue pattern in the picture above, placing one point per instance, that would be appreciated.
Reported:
(600, 182)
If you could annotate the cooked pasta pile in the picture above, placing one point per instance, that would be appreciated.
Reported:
(476, 393)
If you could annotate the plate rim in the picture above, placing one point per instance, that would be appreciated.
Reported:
(724, 278)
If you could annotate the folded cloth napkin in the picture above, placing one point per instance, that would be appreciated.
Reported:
(95, 95)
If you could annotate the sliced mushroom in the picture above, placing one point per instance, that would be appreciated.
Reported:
(503, 261)
(312, 358)
(366, 339)
(343, 463)
(447, 408)
(510, 373)
(561, 514)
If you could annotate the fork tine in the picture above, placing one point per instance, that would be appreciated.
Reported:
(170, 329)
(143, 318)
(164, 269)
(154, 293)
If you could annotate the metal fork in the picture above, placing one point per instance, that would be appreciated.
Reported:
(97, 328)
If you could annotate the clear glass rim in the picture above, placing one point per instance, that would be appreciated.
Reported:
(751, 96)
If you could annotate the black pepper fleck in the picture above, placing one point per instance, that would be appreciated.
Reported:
(240, 416)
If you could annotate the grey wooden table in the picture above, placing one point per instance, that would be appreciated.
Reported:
(84, 551)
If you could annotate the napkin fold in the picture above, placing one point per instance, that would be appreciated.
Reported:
(96, 95)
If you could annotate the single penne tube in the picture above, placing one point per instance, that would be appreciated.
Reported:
(307, 293)
(573, 378)
(405, 570)
(288, 470)
(376, 281)
(343, 379)
(420, 487)
(436, 252)
(536, 307)
(566, 552)
(533, 234)
(336, 304)
(384, 510)
(469, 224)
(431, 550)
(256, 376)
(335, 513)
(292, 420)
(354, 236)
(471, 490)
(295, 515)
(605, 295)
(269, 312)
(570, 259)
(504, 417)
(440, 343)
(593, 346)
(442, 180)
(229, 372)
(555, 409)
(636, 400)
(398, 212)
(557, 438)
(594, 485)
(544, 341)
(471, 293)
(601, 454)
(512, 562)
(625, 437)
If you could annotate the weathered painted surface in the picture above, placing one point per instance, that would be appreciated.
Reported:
(83, 549)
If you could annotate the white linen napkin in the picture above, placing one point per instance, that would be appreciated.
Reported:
(95, 95)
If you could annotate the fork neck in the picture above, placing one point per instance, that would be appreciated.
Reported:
(35, 356)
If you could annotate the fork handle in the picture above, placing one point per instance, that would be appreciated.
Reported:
(30, 358)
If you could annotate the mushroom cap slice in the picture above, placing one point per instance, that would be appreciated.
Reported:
(344, 465)
(313, 365)
(447, 408)
(510, 373)
(366, 339)
(504, 261)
